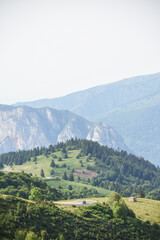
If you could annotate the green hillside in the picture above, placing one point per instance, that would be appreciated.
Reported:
(85, 162)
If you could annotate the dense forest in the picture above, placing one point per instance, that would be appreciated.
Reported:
(21, 157)
(24, 220)
(117, 170)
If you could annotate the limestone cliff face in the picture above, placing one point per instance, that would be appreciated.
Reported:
(25, 128)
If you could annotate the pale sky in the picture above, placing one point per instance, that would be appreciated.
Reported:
(50, 48)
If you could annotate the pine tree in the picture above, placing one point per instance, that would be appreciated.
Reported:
(52, 172)
(71, 177)
(42, 173)
(52, 164)
(65, 176)
(69, 187)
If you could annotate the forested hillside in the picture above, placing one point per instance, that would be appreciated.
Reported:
(87, 162)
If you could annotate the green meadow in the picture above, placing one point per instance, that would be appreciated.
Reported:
(78, 186)
(43, 162)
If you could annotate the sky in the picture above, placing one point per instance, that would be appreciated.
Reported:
(50, 48)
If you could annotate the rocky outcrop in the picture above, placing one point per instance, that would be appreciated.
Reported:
(25, 128)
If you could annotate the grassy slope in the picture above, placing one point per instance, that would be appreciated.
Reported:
(145, 209)
(43, 162)
(76, 186)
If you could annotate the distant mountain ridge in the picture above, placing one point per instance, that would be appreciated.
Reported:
(131, 106)
(25, 128)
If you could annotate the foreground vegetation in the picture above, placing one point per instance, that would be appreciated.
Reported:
(39, 220)
(38, 217)
(28, 187)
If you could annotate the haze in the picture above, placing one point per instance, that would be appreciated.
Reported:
(49, 48)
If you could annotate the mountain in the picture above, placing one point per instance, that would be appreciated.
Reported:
(25, 128)
(131, 106)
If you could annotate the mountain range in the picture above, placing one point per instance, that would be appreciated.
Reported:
(25, 128)
(131, 106)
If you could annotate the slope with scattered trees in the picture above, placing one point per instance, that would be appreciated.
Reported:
(113, 170)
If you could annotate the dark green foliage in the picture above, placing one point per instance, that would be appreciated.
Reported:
(65, 176)
(52, 164)
(34, 159)
(69, 187)
(63, 150)
(102, 211)
(78, 156)
(119, 171)
(21, 220)
(65, 155)
(36, 194)
(52, 172)
(20, 184)
(51, 149)
(1, 165)
(71, 177)
(42, 173)
(84, 193)
(141, 194)
(63, 165)
(119, 207)
(21, 157)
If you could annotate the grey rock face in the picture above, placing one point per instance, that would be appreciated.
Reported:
(25, 128)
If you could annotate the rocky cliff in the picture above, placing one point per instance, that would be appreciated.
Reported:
(25, 128)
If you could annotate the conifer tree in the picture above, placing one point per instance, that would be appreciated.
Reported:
(42, 173)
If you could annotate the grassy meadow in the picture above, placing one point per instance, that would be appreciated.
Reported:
(76, 186)
(43, 162)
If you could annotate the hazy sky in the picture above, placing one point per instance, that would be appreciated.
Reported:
(49, 48)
